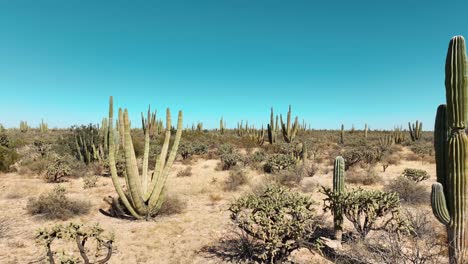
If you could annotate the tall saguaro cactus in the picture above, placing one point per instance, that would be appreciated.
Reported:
(338, 188)
(342, 134)
(449, 194)
(289, 130)
(272, 128)
(145, 192)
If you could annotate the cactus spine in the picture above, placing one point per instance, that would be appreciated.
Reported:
(449, 194)
(272, 129)
(289, 131)
(415, 130)
(338, 188)
(145, 192)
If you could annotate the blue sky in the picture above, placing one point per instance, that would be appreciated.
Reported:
(351, 62)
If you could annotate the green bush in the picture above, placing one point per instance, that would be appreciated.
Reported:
(186, 150)
(229, 160)
(409, 191)
(277, 218)
(415, 175)
(57, 170)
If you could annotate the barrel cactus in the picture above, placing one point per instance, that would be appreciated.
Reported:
(449, 194)
(145, 192)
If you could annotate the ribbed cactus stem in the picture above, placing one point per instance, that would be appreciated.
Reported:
(272, 129)
(338, 188)
(289, 131)
(342, 134)
(365, 130)
(449, 195)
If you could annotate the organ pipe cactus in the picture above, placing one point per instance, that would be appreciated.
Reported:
(449, 194)
(145, 192)
(338, 189)
(289, 130)
(272, 128)
(415, 130)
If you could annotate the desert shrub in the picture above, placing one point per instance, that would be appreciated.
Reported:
(278, 162)
(90, 181)
(409, 191)
(258, 156)
(367, 177)
(310, 169)
(186, 150)
(199, 148)
(79, 235)
(4, 226)
(41, 147)
(366, 209)
(56, 205)
(416, 175)
(277, 218)
(185, 172)
(225, 149)
(237, 178)
(57, 170)
(290, 177)
(229, 160)
(4, 141)
(172, 204)
(7, 158)
(36, 166)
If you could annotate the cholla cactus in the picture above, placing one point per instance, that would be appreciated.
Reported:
(449, 194)
(144, 195)
(278, 162)
(80, 235)
(415, 130)
(289, 130)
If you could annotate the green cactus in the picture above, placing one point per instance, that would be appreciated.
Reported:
(257, 136)
(365, 131)
(43, 127)
(289, 131)
(398, 135)
(415, 130)
(342, 134)
(146, 191)
(449, 194)
(222, 125)
(24, 126)
(272, 129)
(338, 189)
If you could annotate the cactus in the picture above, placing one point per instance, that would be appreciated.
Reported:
(43, 127)
(449, 194)
(338, 189)
(222, 125)
(398, 135)
(258, 137)
(342, 134)
(289, 131)
(386, 141)
(24, 126)
(365, 131)
(415, 130)
(146, 191)
(272, 129)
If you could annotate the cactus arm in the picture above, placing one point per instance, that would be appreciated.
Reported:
(112, 165)
(133, 177)
(440, 144)
(157, 191)
(439, 205)
(147, 127)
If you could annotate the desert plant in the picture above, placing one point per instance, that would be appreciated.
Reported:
(237, 178)
(278, 162)
(338, 189)
(90, 181)
(342, 134)
(144, 196)
(43, 127)
(449, 194)
(415, 130)
(289, 130)
(172, 204)
(277, 218)
(229, 160)
(409, 191)
(7, 158)
(80, 235)
(272, 128)
(186, 150)
(366, 209)
(416, 175)
(185, 172)
(56, 205)
(57, 170)
(24, 127)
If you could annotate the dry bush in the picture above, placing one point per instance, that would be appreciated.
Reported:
(36, 166)
(367, 177)
(215, 197)
(7, 158)
(96, 168)
(289, 178)
(229, 160)
(412, 157)
(172, 204)
(185, 172)
(410, 192)
(56, 205)
(237, 178)
(90, 181)
(4, 227)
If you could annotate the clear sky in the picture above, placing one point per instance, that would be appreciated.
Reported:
(353, 62)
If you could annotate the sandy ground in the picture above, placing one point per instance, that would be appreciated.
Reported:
(178, 238)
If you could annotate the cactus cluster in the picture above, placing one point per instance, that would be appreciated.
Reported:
(222, 126)
(398, 135)
(272, 128)
(144, 193)
(449, 194)
(257, 136)
(415, 130)
(43, 127)
(91, 143)
(289, 130)
(24, 127)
